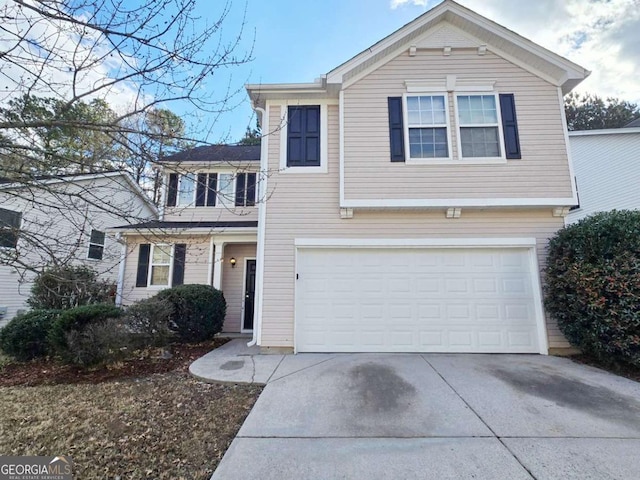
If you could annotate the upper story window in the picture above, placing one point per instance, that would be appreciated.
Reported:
(478, 121)
(9, 227)
(487, 128)
(303, 136)
(427, 126)
(211, 189)
(96, 245)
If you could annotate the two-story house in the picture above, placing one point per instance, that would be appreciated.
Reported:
(411, 193)
(206, 233)
(404, 201)
(63, 220)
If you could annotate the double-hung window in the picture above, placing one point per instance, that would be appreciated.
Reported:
(9, 227)
(160, 265)
(427, 126)
(245, 189)
(96, 245)
(186, 191)
(479, 128)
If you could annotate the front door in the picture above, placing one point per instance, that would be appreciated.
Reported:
(249, 294)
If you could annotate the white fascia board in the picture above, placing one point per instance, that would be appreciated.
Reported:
(516, 242)
(565, 131)
(609, 131)
(459, 202)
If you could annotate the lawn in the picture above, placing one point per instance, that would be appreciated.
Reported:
(117, 424)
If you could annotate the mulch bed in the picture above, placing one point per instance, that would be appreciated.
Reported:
(624, 370)
(47, 372)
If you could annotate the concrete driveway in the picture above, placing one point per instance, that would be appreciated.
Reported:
(438, 417)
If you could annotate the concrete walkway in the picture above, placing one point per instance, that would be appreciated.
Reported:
(430, 417)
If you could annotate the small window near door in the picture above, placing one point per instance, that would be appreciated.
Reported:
(96, 245)
(160, 265)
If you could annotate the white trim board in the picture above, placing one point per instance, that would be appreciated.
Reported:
(457, 202)
(459, 242)
(244, 287)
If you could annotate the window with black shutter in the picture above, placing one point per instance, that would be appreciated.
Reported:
(9, 227)
(303, 136)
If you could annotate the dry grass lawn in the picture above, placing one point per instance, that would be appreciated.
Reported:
(162, 426)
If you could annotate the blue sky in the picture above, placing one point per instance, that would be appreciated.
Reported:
(297, 41)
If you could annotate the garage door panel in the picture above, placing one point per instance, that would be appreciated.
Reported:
(415, 300)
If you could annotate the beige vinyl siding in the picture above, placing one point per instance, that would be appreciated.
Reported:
(211, 214)
(196, 269)
(542, 172)
(294, 211)
(233, 283)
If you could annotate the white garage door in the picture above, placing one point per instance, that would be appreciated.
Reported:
(416, 300)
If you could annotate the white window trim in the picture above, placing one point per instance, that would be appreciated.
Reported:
(97, 244)
(502, 158)
(324, 139)
(151, 265)
(405, 121)
(192, 203)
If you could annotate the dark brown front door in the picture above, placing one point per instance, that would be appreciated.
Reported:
(249, 295)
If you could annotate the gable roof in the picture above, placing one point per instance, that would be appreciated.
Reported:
(633, 123)
(217, 153)
(480, 30)
(8, 184)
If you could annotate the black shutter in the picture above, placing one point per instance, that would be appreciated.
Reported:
(143, 265)
(303, 136)
(241, 183)
(510, 126)
(179, 253)
(172, 191)
(211, 189)
(396, 130)
(201, 189)
(251, 189)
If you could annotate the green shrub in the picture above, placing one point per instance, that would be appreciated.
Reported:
(68, 287)
(593, 285)
(197, 311)
(100, 342)
(75, 320)
(148, 321)
(25, 337)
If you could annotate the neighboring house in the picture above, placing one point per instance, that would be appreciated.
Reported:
(607, 169)
(206, 234)
(63, 219)
(405, 199)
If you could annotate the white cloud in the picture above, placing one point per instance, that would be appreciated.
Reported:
(47, 57)
(398, 3)
(601, 35)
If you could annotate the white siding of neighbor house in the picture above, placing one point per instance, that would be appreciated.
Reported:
(99, 203)
(307, 206)
(607, 169)
(196, 271)
(543, 171)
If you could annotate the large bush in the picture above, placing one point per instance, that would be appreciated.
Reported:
(593, 285)
(148, 321)
(73, 321)
(68, 287)
(102, 341)
(25, 336)
(197, 311)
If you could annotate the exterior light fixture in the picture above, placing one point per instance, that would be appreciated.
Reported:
(232, 261)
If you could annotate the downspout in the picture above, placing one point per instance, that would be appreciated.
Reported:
(121, 267)
(262, 216)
